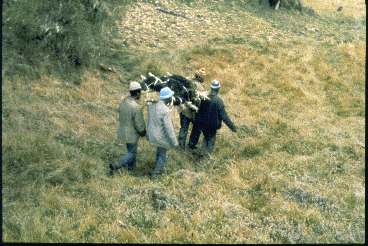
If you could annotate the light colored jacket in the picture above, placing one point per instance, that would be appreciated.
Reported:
(187, 112)
(160, 128)
(199, 86)
(131, 121)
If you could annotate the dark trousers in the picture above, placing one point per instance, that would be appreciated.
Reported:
(194, 136)
(184, 127)
(209, 141)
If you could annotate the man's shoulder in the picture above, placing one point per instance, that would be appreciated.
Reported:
(218, 101)
(162, 106)
(215, 97)
(123, 102)
(130, 102)
(159, 105)
(199, 86)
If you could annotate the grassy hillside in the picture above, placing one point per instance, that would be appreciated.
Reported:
(294, 84)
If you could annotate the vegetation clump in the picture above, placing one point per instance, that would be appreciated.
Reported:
(60, 35)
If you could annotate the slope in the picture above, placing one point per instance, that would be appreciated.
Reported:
(293, 83)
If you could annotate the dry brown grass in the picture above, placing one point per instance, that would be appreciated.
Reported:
(293, 173)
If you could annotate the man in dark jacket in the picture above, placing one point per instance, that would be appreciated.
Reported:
(210, 116)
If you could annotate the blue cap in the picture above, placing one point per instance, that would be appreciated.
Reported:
(215, 84)
(166, 93)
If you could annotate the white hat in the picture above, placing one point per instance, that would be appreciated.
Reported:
(166, 93)
(134, 86)
(215, 84)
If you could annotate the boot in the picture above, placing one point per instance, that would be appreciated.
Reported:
(192, 147)
(132, 168)
(115, 165)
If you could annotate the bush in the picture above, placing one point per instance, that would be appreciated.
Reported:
(65, 33)
(294, 4)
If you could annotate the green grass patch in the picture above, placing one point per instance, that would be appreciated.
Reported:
(277, 128)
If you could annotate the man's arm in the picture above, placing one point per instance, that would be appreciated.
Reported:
(139, 122)
(225, 118)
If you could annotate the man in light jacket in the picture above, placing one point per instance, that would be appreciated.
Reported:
(131, 126)
(160, 129)
(187, 115)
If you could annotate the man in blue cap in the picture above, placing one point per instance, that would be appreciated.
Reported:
(160, 129)
(210, 116)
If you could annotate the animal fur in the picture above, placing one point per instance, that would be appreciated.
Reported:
(183, 88)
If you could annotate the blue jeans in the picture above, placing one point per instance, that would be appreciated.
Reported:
(161, 158)
(130, 158)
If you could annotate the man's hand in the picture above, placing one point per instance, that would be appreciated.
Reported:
(143, 133)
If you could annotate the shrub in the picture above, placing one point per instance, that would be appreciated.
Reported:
(62, 32)
(294, 4)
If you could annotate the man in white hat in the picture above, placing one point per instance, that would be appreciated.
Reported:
(160, 129)
(131, 127)
(210, 116)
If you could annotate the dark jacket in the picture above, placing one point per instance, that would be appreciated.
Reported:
(212, 113)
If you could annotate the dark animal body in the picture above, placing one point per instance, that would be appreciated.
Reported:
(184, 89)
(276, 4)
(273, 3)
